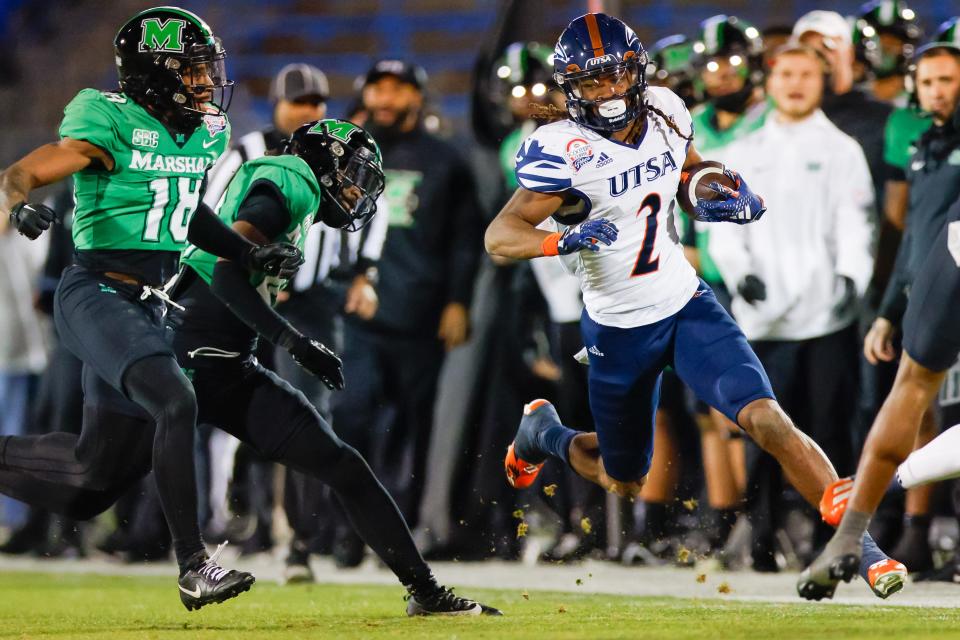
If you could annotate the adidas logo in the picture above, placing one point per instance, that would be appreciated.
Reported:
(604, 160)
(595, 351)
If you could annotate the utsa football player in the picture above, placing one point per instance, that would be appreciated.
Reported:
(330, 172)
(645, 308)
(139, 156)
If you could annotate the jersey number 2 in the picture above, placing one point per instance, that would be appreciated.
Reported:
(645, 261)
(187, 199)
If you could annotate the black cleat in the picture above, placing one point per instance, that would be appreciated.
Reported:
(209, 583)
(443, 602)
(816, 583)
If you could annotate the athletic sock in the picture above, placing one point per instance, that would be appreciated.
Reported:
(849, 536)
(190, 554)
(555, 441)
(655, 521)
(871, 555)
(937, 460)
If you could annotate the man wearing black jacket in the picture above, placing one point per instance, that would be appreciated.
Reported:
(427, 269)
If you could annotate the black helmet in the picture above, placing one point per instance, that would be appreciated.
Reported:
(154, 48)
(738, 41)
(671, 65)
(341, 155)
(886, 16)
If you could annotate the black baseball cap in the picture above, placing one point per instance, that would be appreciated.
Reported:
(404, 71)
(296, 81)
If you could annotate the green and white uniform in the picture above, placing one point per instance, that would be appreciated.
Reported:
(145, 202)
(207, 321)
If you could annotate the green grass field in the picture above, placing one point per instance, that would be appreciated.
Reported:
(108, 607)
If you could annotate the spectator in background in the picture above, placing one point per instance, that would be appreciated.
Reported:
(886, 33)
(427, 271)
(797, 278)
(23, 349)
(58, 405)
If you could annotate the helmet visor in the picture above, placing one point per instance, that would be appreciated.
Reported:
(361, 183)
(612, 81)
(204, 74)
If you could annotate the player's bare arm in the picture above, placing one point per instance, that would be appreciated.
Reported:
(42, 166)
(513, 233)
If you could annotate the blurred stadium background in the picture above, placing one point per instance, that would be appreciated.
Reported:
(51, 48)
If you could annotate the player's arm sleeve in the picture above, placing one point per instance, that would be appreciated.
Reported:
(91, 118)
(894, 302)
(853, 231)
(220, 175)
(231, 282)
(540, 165)
(467, 235)
(262, 207)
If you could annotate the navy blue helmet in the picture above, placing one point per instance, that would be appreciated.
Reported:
(601, 67)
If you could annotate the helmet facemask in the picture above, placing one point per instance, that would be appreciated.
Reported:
(590, 101)
(204, 87)
(351, 189)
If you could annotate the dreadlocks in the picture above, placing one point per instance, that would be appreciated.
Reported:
(548, 113)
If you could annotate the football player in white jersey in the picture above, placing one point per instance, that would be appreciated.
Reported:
(621, 154)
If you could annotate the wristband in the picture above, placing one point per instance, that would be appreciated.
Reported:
(550, 245)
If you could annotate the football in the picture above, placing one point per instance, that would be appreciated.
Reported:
(695, 184)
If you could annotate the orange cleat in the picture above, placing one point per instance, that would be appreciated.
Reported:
(887, 577)
(833, 504)
(520, 473)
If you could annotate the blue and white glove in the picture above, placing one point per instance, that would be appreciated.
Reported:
(741, 205)
(587, 236)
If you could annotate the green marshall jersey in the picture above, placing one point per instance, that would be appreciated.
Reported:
(296, 184)
(904, 127)
(146, 201)
(709, 139)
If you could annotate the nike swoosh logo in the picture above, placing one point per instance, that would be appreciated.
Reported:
(207, 145)
(193, 594)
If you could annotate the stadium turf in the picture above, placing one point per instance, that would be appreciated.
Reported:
(108, 607)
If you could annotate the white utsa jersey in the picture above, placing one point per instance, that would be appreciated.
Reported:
(643, 277)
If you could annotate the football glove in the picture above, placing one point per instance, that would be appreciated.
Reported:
(318, 360)
(752, 289)
(741, 205)
(587, 236)
(31, 219)
(280, 259)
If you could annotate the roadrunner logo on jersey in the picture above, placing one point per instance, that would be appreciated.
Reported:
(162, 35)
(579, 153)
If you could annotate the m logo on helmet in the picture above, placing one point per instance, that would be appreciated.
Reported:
(338, 130)
(162, 35)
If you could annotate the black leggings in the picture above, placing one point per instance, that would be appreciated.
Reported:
(157, 385)
(83, 475)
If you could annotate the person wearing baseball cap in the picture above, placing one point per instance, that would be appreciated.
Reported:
(299, 94)
(427, 270)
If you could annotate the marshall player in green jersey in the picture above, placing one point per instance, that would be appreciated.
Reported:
(330, 172)
(138, 157)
